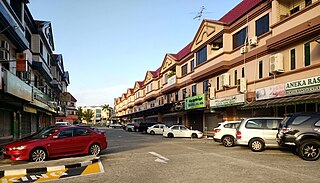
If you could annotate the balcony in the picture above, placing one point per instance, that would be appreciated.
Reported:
(56, 84)
(43, 69)
(170, 85)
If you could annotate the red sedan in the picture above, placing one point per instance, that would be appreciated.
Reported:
(55, 142)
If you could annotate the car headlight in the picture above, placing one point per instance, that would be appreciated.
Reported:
(19, 148)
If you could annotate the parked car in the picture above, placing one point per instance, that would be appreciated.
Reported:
(156, 129)
(129, 127)
(226, 132)
(181, 131)
(143, 126)
(115, 125)
(258, 133)
(56, 141)
(136, 126)
(302, 132)
(62, 123)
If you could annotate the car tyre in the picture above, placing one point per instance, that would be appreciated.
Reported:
(38, 155)
(129, 130)
(194, 135)
(256, 145)
(94, 149)
(170, 135)
(228, 141)
(309, 150)
(152, 133)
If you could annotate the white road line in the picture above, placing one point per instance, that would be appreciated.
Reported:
(159, 156)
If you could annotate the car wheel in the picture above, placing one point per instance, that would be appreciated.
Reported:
(37, 155)
(309, 150)
(256, 145)
(152, 133)
(129, 130)
(94, 149)
(170, 135)
(194, 135)
(228, 141)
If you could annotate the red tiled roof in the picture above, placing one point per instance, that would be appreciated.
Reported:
(140, 83)
(184, 52)
(238, 11)
(156, 72)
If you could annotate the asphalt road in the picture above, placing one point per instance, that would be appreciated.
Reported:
(136, 157)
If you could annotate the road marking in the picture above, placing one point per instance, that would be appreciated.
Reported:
(160, 159)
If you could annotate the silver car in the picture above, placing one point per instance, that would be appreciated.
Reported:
(258, 132)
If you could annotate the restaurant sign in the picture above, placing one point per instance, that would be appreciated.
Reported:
(298, 87)
(228, 101)
(195, 102)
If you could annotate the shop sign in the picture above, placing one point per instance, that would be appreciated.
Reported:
(65, 97)
(195, 102)
(29, 110)
(298, 87)
(16, 86)
(172, 80)
(228, 101)
(303, 86)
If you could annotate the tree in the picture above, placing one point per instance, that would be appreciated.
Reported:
(88, 115)
(80, 114)
(108, 109)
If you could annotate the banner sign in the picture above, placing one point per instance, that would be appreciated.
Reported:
(195, 102)
(299, 87)
(228, 101)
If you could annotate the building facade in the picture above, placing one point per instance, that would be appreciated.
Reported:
(260, 59)
(100, 115)
(31, 76)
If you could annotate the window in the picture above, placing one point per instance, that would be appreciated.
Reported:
(218, 83)
(205, 86)
(194, 90)
(184, 70)
(307, 2)
(65, 134)
(201, 55)
(242, 72)
(183, 128)
(317, 124)
(306, 54)
(292, 59)
(192, 65)
(81, 132)
(239, 38)
(175, 128)
(184, 93)
(28, 37)
(235, 77)
(262, 25)
(300, 119)
(17, 8)
(294, 10)
(260, 69)
(272, 124)
(255, 124)
(156, 126)
(41, 47)
(176, 96)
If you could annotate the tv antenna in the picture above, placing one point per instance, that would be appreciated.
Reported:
(200, 13)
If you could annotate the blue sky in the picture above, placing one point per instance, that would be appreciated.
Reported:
(107, 45)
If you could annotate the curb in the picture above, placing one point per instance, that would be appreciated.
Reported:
(46, 169)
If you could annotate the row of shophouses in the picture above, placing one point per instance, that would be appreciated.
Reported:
(262, 58)
(33, 82)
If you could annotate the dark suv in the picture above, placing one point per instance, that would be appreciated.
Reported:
(301, 131)
(143, 127)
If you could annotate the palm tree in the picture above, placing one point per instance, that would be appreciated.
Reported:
(88, 115)
(80, 114)
(108, 109)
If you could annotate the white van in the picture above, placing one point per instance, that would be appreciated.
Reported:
(258, 132)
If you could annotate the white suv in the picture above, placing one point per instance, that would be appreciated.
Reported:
(226, 132)
(258, 132)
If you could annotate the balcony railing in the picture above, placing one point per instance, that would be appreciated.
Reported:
(172, 80)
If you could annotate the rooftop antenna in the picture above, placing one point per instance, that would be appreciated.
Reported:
(199, 14)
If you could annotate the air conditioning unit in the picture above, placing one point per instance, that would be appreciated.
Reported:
(225, 80)
(4, 45)
(215, 46)
(242, 85)
(253, 41)
(212, 93)
(243, 50)
(276, 63)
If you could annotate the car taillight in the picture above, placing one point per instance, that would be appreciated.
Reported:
(238, 135)
(285, 129)
(217, 130)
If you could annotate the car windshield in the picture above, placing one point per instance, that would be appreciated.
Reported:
(44, 133)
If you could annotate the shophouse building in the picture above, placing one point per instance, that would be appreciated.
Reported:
(100, 115)
(259, 59)
(31, 77)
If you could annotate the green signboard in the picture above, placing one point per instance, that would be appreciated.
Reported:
(195, 102)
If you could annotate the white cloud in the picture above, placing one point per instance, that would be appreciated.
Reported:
(100, 96)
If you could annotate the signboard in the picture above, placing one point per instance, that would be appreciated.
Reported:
(228, 101)
(16, 86)
(195, 102)
(65, 97)
(172, 80)
(298, 87)
(21, 62)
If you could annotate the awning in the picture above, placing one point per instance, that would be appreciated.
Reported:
(301, 99)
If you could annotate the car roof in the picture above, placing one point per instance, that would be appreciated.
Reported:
(224, 122)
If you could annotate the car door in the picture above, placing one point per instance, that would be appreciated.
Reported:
(63, 144)
(156, 129)
(161, 128)
(184, 132)
(270, 131)
(81, 138)
(176, 131)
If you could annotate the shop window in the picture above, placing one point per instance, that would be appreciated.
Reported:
(311, 107)
(201, 55)
(239, 38)
(262, 25)
(290, 109)
(292, 59)
(300, 108)
(306, 54)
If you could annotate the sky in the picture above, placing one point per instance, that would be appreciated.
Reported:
(107, 45)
